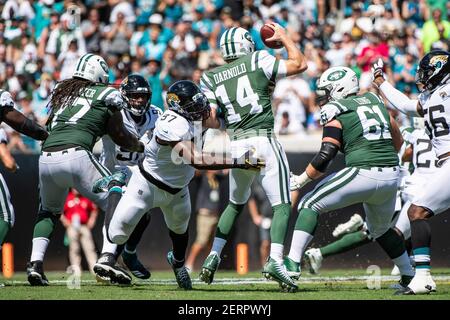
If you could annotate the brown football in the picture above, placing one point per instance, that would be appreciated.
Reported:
(266, 32)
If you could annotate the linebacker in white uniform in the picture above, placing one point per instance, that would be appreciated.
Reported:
(139, 118)
(433, 104)
(162, 178)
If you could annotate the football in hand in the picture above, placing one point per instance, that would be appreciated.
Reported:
(266, 32)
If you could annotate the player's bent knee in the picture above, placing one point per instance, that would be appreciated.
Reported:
(118, 234)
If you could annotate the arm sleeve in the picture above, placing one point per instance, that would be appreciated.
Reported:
(398, 99)
(172, 131)
(329, 111)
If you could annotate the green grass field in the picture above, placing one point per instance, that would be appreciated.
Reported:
(330, 284)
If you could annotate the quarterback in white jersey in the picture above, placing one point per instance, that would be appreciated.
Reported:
(433, 104)
(139, 118)
(162, 178)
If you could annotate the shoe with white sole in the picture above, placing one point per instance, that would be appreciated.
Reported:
(313, 259)
(355, 222)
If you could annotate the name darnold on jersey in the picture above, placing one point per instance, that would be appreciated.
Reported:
(159, 160)
(436, 110)
(114, 157)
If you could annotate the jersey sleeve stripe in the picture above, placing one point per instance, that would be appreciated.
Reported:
(233, 49)
(275, 70)
(256, 59)
(205, 81)
(253, 64)
(105, 93)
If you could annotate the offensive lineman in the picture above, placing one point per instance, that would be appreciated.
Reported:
(433, 103)
(361, 127)
(241, 91)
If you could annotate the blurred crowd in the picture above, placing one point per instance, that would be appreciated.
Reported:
(167, 40)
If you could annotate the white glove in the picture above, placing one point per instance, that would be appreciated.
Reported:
(297, 182)
(377, 70)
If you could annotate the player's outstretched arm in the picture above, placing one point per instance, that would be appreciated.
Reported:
(204, 161)
(296, 61)
(331, 143)
(121, 136)
(19, 122)
(395, 97)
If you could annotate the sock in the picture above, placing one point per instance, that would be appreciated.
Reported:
(227, 219)
(276, 252)
(4, 229)
(136, 235)
(218, 245)
(307, 221)
(280, 223)
(108, 246)
(346, 243)
(39, 248)
(421, 241)
(114, 195)
(392, 243)
(300, 241)
(179, 244)
(404, 264)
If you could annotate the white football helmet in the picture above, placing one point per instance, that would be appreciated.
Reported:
(92, 67)
(235, 43)
(336, 83)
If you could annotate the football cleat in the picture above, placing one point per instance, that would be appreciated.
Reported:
(106, 268)
(350, 226)
(35, 273)
(276, 271)
(209, 268)
(103, 184)
(181, 273)
(292, 268)
(395, 271)
(135, 266)
(313, 258)
(420, 284)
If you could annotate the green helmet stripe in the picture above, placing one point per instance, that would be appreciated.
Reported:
(233, 49)
(225, 41)
(85, 61)
(80, 61)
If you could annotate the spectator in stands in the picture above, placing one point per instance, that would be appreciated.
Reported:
(430, 30)
(80, 215)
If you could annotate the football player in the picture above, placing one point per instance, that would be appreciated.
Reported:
(241, 90)
(22, 124)
(162, 177)
(139, 118)
(361, 127)
(433, 103)
(83, 109)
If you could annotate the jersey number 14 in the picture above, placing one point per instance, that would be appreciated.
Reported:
(245, 96)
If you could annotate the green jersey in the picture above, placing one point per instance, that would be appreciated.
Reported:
(85, 120)
(366, 130)
(241, 91)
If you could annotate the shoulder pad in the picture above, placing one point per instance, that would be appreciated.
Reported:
(173, 127)
(330, 111)
(114, 100)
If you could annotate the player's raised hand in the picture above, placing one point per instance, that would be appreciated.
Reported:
(279, 32)
(378, 75)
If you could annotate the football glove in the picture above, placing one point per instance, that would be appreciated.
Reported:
(249, 161)
(297, 182)
(377, 70)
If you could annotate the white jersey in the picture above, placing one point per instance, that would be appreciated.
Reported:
(114, 157)
(424, 161)
(436, 108)
(159, 161)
